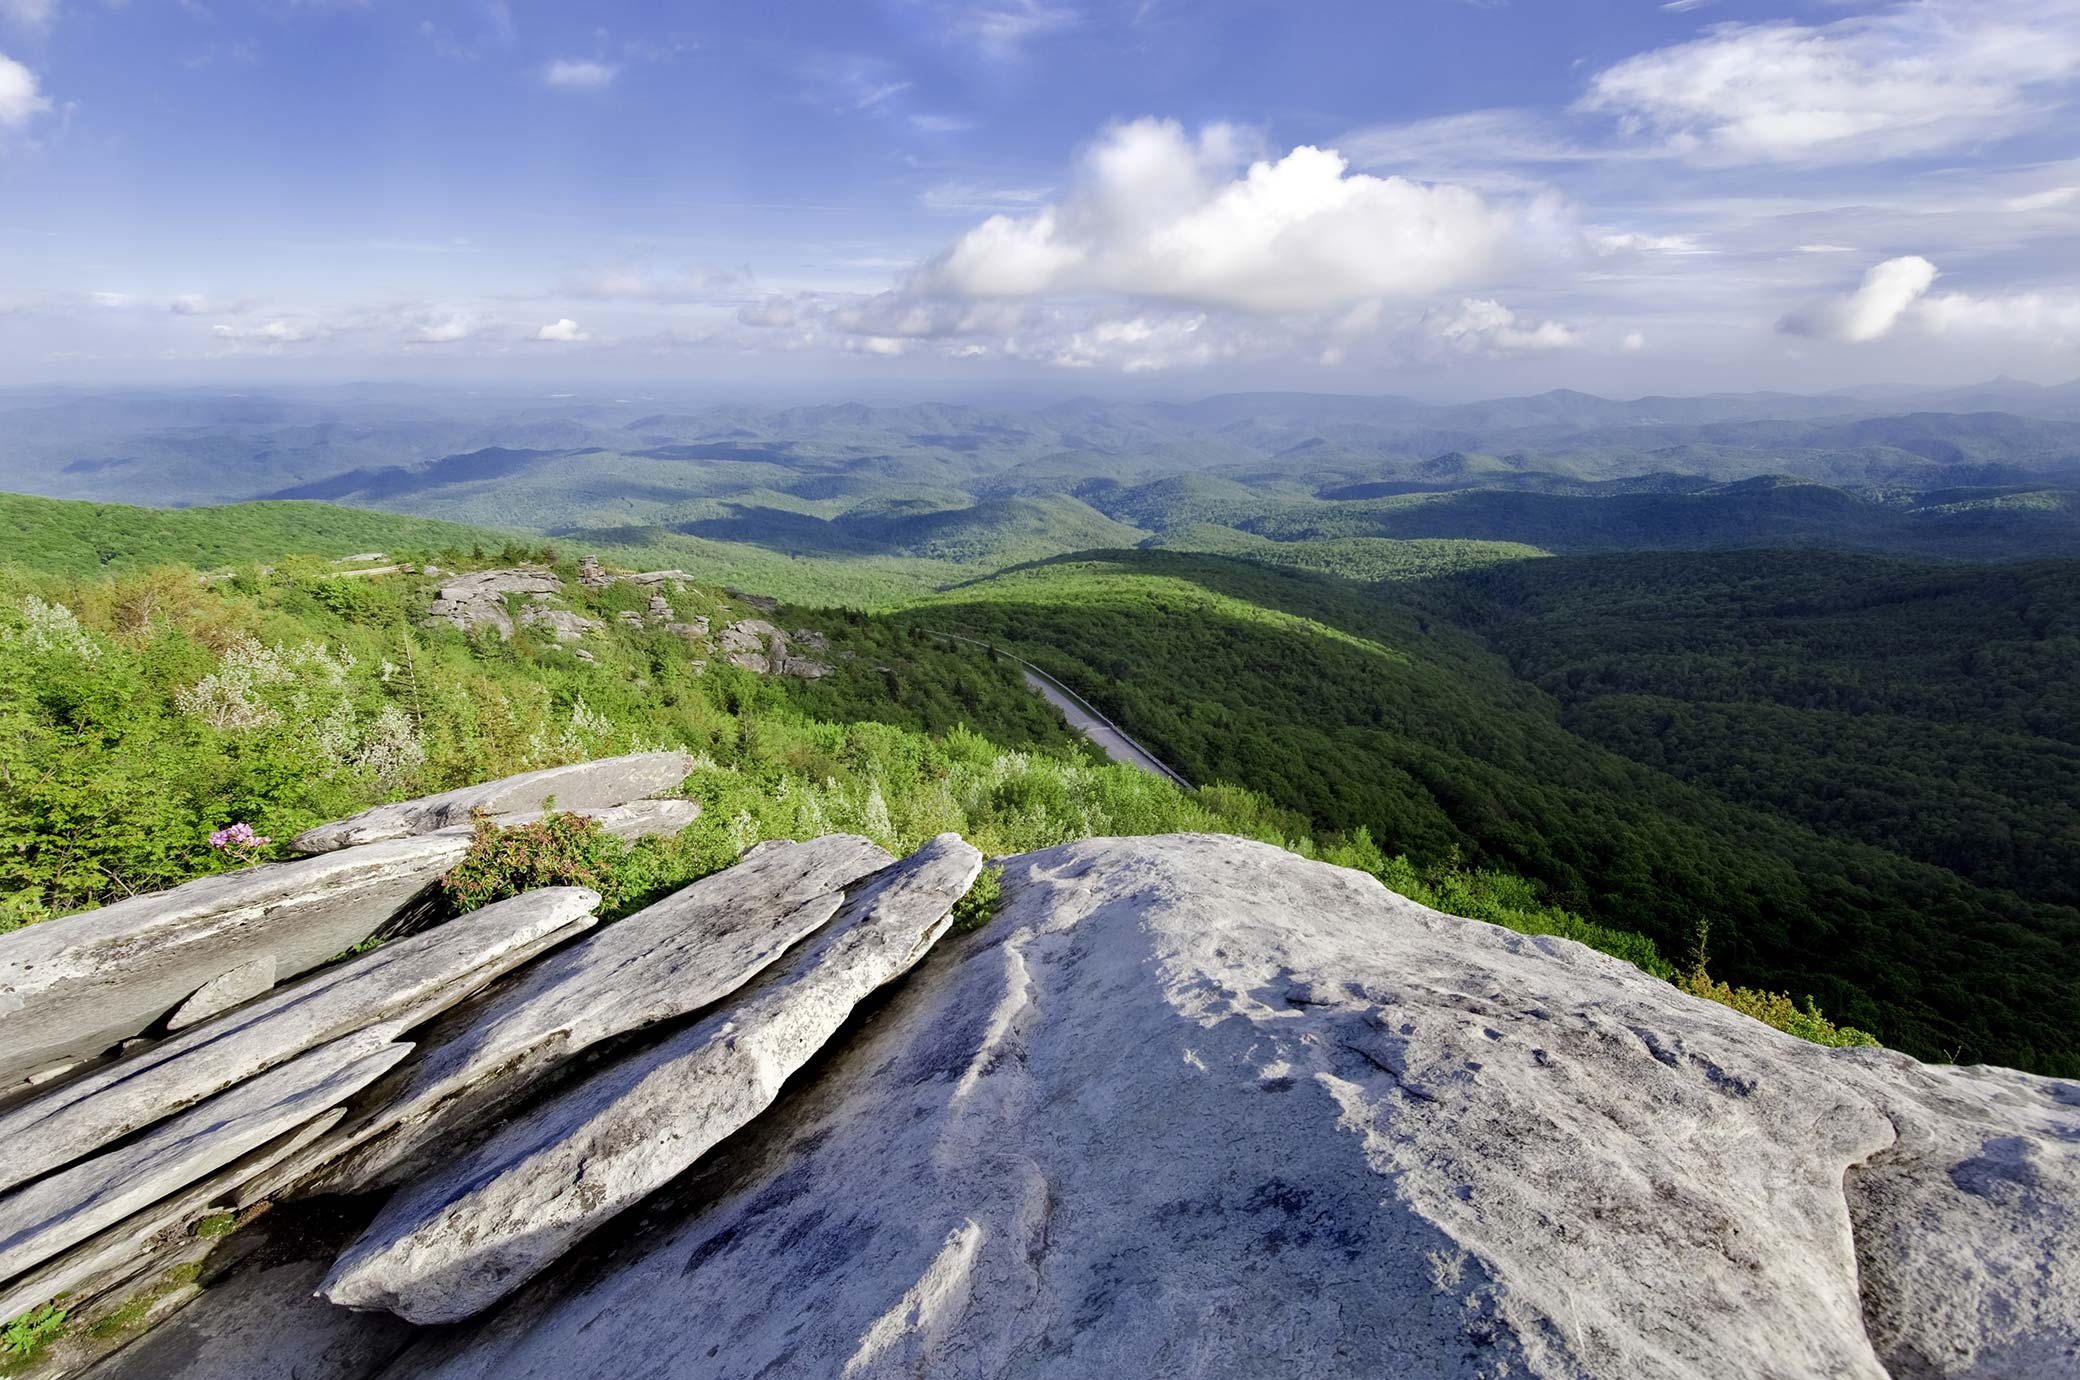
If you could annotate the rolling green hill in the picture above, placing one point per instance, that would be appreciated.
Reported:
(1369, 706)
(79, 538)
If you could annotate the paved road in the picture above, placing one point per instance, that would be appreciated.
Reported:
(1111, 739)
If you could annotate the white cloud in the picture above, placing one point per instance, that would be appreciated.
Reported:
(1481, 325)
(565, 331)
(19, 97)
(941, 124)
(974, 196)
(2032, 317)
(1635, 243)
(2049, 199)
(443, 330)
(1634, 341)
(579, 74)
(1873, 309)
(111, 299)
(1914, 79)
(637, 281)
(269, 333)
(189, 304)
(1156, 214)
(1000, 28)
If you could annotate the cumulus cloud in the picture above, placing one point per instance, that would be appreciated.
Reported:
(2035, 317)
(1873, 309)
(1155, 213)
(1634, 341)
(579, 74)
(20, 99)
(565, 331)
(1481, 325)
(1915, 79)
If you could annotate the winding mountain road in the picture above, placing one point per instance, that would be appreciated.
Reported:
(1111, 739)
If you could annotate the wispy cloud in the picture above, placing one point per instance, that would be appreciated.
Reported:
(1915, 79)
(579, 74)
(1001, 29)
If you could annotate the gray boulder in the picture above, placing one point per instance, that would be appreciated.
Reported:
(60, 1211)
(581, 786)
(473, 1230)
(408, 979)
(670, 959)
(1195, 1107)
(224, 991)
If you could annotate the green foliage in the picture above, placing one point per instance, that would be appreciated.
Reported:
(1775, 1009)
(59, 537)
(216, 1224)
(25, 1337)
(979, 905)
(1367, 706)
(563, 849)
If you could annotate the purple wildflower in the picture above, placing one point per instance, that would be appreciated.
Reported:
(238, 838)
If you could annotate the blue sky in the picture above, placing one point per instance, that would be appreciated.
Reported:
(1166, 196)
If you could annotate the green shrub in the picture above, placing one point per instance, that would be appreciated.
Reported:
(560, 849)
(1775, 1009)
(979, 905)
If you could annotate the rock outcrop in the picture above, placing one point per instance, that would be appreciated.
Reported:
(73, 987)
(1187, 1106)
(1195, 1107)
(580, 786)
(411, 979)
(465, 1235)
(479, 600)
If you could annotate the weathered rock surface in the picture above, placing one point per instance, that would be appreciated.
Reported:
(63, 1209)
(408, 978)
(470, 1232)
(757, 645)
(86, 981)
(152, 1239)
(260, 1324)
(670, 959)
(224, 991)
(479, 599)
(1195, 1107)
(581, 786)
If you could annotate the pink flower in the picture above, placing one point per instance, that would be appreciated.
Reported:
(239, 837)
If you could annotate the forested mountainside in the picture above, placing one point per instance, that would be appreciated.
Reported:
(1395, 707)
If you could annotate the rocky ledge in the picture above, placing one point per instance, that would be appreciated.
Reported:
(1186, 1106)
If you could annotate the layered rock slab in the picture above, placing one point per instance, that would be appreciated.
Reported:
(75, 986)
(667, 960)
(64, 1209)
(464, 1236)
(409, 978)
(1195, 1107)
(581, 786)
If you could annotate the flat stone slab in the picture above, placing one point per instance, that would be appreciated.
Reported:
(73, 987)
(581, 786)
(1195, 1107)
(60, 1211)
(86, 981)
(151, 1239)
(670, 959)
(459, 1239)
(411, 977)
(224, 991)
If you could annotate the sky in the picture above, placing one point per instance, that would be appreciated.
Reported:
(1153, 197)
